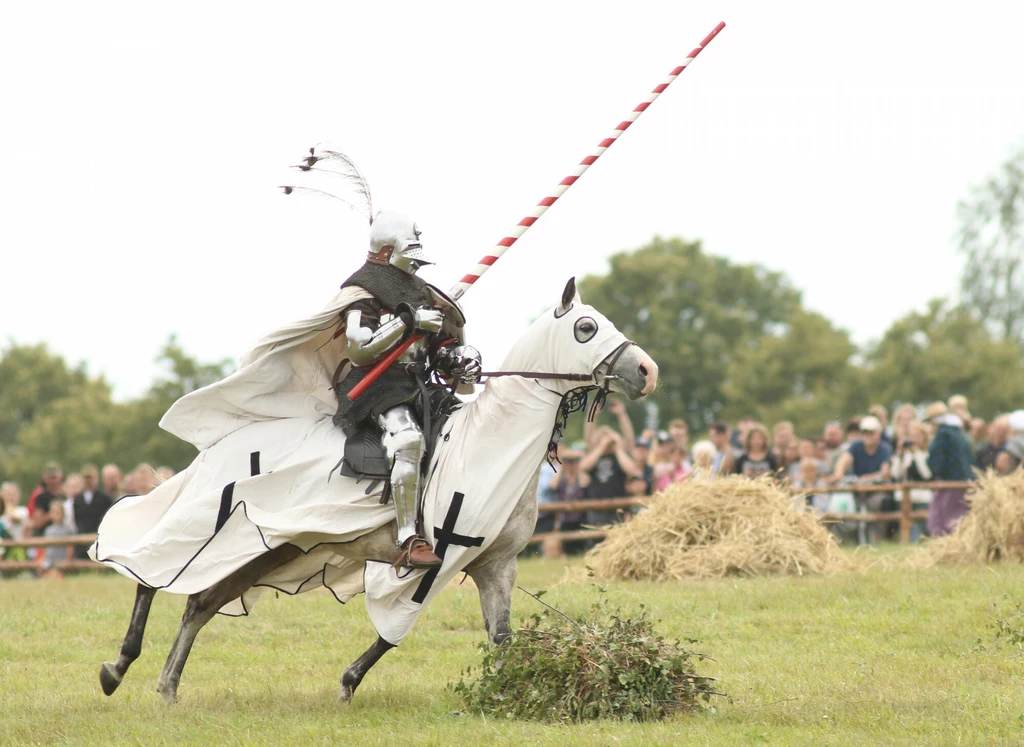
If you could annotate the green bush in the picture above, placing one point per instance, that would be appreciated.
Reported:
(604, 666)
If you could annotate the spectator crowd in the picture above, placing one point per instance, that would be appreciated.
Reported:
(939, 443)
(62, 506)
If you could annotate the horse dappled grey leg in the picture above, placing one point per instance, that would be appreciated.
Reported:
(112, 674)
(495, 582)
(201, 608)
(358, 669)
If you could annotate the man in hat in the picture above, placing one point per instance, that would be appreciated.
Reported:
(949, 458)
(869, 459)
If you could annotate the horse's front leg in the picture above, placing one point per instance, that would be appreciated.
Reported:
(495, 582)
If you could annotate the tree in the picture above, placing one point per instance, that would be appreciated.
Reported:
(991, 237)
(946, 350)
(50, 411)
(691, 312)
(802, 373)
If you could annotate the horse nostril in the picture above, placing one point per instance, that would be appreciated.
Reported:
(643, 370)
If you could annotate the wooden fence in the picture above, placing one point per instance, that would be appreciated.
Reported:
(905, 516)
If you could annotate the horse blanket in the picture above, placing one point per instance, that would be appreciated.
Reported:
(263, 478)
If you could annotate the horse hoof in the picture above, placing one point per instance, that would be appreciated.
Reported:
(109, 678)
(169, 694)
(346, 694)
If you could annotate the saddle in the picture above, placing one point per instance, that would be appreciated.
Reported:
(365, 457)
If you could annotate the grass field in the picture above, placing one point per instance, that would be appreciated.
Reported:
(880, 657)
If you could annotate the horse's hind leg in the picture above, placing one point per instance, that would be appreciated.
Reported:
(112, 674)
(495, 582)
(201, 608)
(358, 669)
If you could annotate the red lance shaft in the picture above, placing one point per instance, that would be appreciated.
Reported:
(502, 246)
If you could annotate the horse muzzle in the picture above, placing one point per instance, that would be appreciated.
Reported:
(632, 373)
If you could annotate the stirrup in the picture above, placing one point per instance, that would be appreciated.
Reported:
(425, 557)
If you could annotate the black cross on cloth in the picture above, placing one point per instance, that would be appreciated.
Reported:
(228, 494)
(444, 537)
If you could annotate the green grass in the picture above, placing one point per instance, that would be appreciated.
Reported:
(881, 657)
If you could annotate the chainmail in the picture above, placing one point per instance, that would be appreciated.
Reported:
(391, 286)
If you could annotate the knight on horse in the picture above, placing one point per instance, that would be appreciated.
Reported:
(400, 304)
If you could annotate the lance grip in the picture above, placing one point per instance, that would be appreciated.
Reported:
(381, 366)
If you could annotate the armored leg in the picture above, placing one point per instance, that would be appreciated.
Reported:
(404, 443)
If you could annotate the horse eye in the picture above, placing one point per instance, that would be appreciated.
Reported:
(585, 329)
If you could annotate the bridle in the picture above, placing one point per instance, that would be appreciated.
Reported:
(601, 376)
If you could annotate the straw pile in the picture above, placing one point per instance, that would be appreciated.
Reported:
(728, 526)
(992, 531)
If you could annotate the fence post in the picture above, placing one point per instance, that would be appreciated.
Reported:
(905, 520)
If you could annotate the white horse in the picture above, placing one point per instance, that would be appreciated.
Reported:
(480, 504)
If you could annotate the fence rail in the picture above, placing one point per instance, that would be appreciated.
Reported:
(905, 516)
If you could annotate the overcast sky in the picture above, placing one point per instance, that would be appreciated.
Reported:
(141, 146)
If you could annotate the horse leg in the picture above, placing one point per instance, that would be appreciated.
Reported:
(201, 608)
(357, 670)
(495, 582)
(112, 674)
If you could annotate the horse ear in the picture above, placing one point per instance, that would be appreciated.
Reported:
(569, 294)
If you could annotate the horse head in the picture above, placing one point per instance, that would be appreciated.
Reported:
(576, 339)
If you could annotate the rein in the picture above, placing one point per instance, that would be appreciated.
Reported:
(610, 362)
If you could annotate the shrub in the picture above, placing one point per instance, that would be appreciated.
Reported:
(606, 665)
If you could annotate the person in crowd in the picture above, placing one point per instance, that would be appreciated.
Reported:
(52, 481)
(996, 435)
(636, 485)
(724, 457)
(704, 454)
(957, 405)
(625, 426)
(642, 457)
(868, 460)
(808, 477)
(789, 463)
(902, 418)
(73, 485)
(888, 432)
(978, 433)
(757, 458)
(54, 554)
(13, 520)
(834, 446)
(949, 458)
(674, 471)
(112, 478)
(680, 433)
(1013, 451)
(90, 506)
(910, 464)
(739, 433)
(607, 463)
(807, 449)
(163, 474)
(782, 435)
(570, 484)
(141, 480)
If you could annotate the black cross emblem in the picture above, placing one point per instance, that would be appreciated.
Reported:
(444, 537)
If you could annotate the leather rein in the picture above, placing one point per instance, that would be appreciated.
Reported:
(609, 362)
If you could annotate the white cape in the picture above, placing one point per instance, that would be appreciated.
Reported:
(262, 479)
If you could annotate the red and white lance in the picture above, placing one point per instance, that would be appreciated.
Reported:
(502, 246)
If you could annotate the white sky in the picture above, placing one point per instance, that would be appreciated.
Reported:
(140, 150)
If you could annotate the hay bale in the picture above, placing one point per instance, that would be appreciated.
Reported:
(992, 531)
(727, 526)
